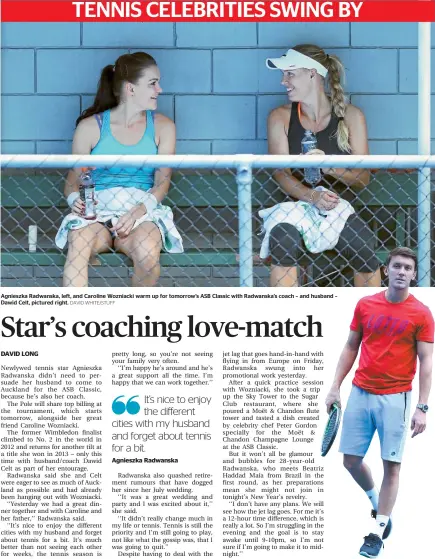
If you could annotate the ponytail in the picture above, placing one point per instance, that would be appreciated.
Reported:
(105, 98)
(338, 100)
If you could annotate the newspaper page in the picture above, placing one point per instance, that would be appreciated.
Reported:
(186, 423)
(192, 419)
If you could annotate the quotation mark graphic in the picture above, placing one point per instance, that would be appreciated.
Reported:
(130, 407)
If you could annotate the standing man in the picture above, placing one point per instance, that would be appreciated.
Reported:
(392, 328)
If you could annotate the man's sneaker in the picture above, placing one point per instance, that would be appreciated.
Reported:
(388, 528)
(372, 546)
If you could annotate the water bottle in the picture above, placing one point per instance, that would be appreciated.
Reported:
(309, 141)
(87, 193)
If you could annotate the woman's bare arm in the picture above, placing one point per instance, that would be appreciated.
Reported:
(357, 126)
(85, 138)
(165, 139)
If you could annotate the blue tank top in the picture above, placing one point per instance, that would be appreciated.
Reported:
(128, 176)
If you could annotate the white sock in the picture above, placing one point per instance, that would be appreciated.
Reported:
(381, 524)
(373, 495)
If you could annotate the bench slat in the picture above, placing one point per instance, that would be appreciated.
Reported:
(221, 258)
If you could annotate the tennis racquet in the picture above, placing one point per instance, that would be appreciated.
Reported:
(331, 428)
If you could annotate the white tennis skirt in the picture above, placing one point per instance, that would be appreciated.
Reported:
(114, 203)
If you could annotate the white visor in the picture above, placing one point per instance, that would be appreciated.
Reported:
(293, 60)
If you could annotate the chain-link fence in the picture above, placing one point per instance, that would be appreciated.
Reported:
(225, 221)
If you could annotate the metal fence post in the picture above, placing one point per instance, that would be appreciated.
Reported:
(424, 139)
(424, 233)
(244, 190)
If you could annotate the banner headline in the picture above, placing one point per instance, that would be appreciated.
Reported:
(219, 10)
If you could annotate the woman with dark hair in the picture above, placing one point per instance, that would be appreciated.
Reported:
(129, 214)
(340, 128)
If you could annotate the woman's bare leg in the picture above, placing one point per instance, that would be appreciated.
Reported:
(143, 246)
(281, 276)
(82, 244)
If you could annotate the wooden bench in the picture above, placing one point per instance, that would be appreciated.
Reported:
(205, 209)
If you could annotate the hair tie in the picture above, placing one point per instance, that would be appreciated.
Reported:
(327, 57)
(340, 118)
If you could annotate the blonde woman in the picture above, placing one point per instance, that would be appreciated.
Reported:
(317, 103)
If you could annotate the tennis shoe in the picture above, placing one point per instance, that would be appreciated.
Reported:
(372, 546)
(388, 528)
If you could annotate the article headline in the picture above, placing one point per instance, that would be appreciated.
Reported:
(219, 10)
(172, 331)
(176, 10)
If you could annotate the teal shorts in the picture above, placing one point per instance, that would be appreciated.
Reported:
(365, 413)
